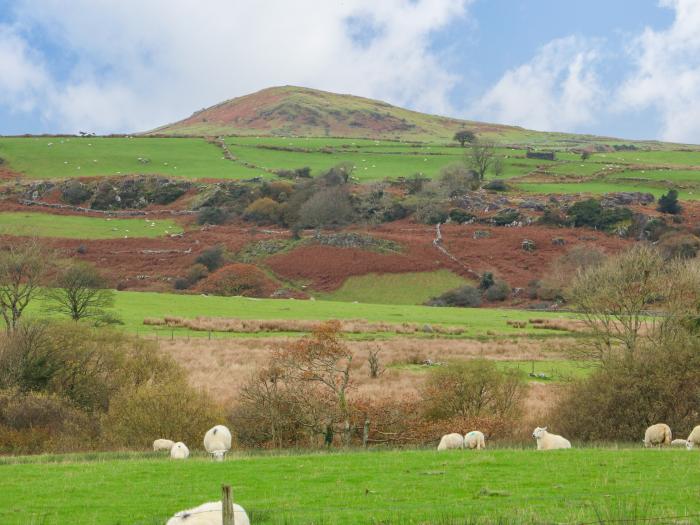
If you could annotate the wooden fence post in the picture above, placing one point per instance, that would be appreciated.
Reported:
(227, 505)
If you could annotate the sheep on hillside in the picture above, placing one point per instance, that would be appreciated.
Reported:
(217, 441)
(657, 435)
(693, 438)
(451, 441)
(208, 514)
(547, 441)
(162, 444)
(179, 451)
(474, 439)
(679, 443)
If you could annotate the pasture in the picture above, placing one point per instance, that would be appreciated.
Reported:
(134, 307)
(83, 227)
(583, 486)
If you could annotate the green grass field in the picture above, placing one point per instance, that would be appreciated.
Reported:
(395, 288)
(134, 307)
(68, 157)
(589, 485)
(76, 227)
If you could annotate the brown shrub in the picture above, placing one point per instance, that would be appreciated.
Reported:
(238, 279)
(174, 411)
(264, 211)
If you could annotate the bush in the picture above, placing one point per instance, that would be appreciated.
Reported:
(499, 291)
(263, 211)
(237, 279)
(486, 281)
(465, 296)
(212, 258)
(668, 203)
(506, 217)
(166, 192)
(496, 185)
(621, 399)
(430, 212)
(474, 388)
(211, 215)
(677, 244)
(326, 208)
(460, 216)
(553, 216)
(75, 192)
(590, 213)
(174, 409)
(456, 180)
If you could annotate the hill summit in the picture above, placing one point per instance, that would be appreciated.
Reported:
(299, 111)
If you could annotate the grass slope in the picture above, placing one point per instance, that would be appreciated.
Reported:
(76, 227)
(520, 486)
(396, 288)
(66, 157)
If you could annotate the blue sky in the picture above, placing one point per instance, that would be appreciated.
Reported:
(628, 68)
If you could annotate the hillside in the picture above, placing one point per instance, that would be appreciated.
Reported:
(304, 112)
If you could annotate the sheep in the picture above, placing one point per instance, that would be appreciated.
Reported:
(217, 441)
(208, 514)
(547, 441)
(451, 441)
(474, 439)
(693, 438)
(162, 444)
(179, 451)
(679, 443)
(657, 435)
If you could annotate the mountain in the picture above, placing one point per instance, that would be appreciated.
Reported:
(299, 111)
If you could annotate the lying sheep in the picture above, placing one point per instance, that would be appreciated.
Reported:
(474, 439)
(547, 441)
(451, 441)
(679, 443)
(162, 444)
(208, 514)
(657, 435)
(693, 438)
(217, 441)
(179, 451)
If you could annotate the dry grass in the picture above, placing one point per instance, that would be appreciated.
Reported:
(222, 366)
(250, 326)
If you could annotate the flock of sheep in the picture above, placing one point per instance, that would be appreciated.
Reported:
(217, 442)
(655, 436)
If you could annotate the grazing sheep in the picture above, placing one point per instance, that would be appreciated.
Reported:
(208, 514)
(451, 441)
(474, 439)
(217, 441)
(679, 443)
(657, 435)
(547, 441)
(693, 438)
(179, 451)
(162, 444)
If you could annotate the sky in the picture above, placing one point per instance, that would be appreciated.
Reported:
(624, 68)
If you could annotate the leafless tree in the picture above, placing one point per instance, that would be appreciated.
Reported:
(81, 292)
(480, 157)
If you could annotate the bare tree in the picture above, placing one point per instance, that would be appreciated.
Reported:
(321, 362)
(481, 157)
(81, 292)
(23, 266)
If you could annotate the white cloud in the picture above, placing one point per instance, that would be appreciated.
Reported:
(22, 77)
(557, 90)
(667, 73)
(142, 63)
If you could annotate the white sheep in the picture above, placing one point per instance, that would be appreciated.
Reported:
(679, 443)
(547, 441)
(451, 441)
(208, 514)
(474, 439)
(179, 451)
(217, 441)
(657, 435)
(162, 444)
(693, 438)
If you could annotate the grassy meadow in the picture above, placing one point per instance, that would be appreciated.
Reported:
(588, 485)
(81, 227)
